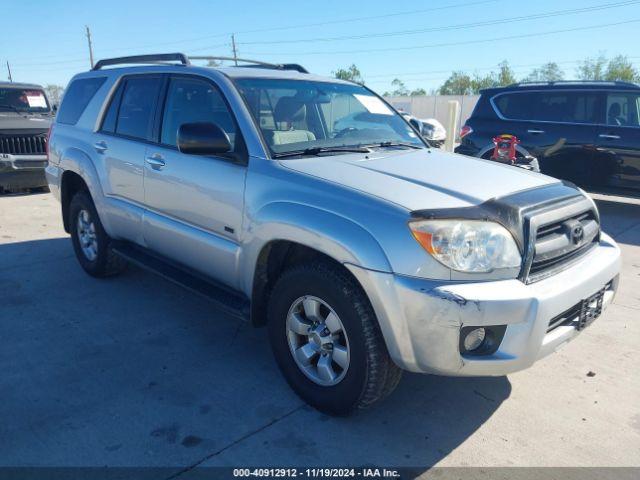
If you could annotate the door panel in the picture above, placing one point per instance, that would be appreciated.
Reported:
(194, 202)
(618, 143)
(121, 144)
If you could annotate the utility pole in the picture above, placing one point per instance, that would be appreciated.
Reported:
(90, 45)
(233, 45)
(9, 70)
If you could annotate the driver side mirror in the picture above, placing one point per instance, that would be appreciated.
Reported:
(202, 138)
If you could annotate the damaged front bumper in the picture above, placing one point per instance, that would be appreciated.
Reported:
(421, 319)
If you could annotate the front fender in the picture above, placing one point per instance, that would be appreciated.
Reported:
(336, 236)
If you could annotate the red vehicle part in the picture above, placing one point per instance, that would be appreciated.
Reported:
(505, 148)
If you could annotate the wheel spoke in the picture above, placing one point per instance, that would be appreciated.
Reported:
(298, 325)
(340, 356)
(306, 353)
(333, 323)
(312, 309)
(325, 370)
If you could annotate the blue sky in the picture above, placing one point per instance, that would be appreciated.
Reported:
(44, 40)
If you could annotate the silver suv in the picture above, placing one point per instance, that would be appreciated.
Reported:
(364, 251)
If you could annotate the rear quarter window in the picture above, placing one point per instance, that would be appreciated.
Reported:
(76, 99)
(516, 106)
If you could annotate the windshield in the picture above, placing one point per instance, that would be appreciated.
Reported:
(296, 115)
(23, 100)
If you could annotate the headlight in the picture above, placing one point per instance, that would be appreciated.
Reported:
(468, 245)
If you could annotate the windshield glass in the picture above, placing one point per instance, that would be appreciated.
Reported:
(23, 100)
(298, 115)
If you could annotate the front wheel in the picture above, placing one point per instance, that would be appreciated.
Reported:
(326, 339)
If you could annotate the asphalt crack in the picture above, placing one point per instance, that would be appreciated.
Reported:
(235, 442)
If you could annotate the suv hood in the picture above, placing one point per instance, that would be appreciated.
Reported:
(419, 179)
(16, 121)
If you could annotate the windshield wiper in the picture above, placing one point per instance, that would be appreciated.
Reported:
(396, 144)
(319, 150)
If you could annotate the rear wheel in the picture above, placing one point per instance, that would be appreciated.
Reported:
(326, 339)
(92, 245)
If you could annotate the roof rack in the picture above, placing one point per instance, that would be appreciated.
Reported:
(575, 82)
(256, 63)
(161, 58)
(152, 58)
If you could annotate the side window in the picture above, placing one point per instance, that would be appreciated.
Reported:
(137, 107)
(571, 107)
(516, 106)
(622, 109)
(194, 100)
(111, 117)
(76, 99)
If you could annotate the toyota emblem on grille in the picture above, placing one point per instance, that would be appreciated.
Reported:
(577, 234)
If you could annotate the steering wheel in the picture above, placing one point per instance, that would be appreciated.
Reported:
(345, 132)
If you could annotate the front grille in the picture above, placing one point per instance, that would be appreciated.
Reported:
(559, 242)
(24, 144)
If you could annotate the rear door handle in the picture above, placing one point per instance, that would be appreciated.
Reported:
(100, 146)
(156, 161)
(535, 132)
(609, 137)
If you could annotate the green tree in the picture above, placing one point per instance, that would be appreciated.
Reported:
(620, 68)
(488, 81)
(458, 83)
(592, 68)
(400, 89)
(505, 74)
(54, 92)
(549, 72)
(418, 92)
(351, 73)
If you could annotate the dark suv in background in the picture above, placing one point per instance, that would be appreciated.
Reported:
(585, 132)
(25, 118)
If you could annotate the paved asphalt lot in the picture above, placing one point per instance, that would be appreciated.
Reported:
(136, 371)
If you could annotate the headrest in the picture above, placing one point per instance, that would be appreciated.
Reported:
(289, 109)
(615, 110)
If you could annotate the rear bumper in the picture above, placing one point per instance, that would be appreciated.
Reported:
(22, 171)
(421, 319)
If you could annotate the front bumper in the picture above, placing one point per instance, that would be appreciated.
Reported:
(421, 319)
(22, 171)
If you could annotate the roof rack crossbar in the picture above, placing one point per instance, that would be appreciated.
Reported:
(152, 58)
(260, 64)
(569, 82)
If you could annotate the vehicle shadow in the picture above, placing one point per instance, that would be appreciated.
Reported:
(135, 371)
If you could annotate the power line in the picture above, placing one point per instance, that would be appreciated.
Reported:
(273, 29)
(522, 18)
(451, 44)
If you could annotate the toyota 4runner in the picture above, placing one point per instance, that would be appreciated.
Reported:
(364, 251)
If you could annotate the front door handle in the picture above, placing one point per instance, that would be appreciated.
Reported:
(100, 146)
(609, 137)
(156, 161)
(535, 132)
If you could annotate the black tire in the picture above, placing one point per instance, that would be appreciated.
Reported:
(371, 375)
(107, 262)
